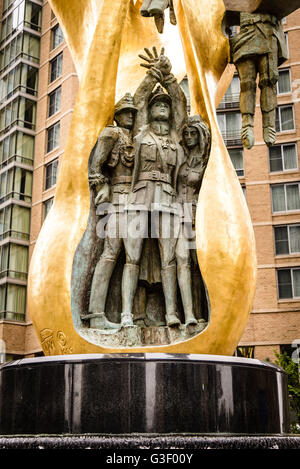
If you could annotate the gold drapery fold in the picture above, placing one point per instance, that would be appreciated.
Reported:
(105, 38)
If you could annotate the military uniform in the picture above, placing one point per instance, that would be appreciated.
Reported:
(258, 48)
(114, 157)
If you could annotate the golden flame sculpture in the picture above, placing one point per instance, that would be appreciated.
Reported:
(105, 37)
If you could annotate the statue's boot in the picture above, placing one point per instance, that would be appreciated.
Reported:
(100, 284)
(169, 283)
(248, 131)
(129, 285)
(157, 7)
(269, 127)
(185, 284)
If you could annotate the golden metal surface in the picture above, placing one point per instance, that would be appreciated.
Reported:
(98, 33)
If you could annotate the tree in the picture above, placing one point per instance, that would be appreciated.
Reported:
(292, 368)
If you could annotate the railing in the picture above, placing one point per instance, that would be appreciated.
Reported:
(13, 274)
(19, 123)
(21, 55)
(17, 196)
(19, 88)
(19, 27)
(14, 235)
(232, 137)
(11, 316)
(230, 101)
(17, 159)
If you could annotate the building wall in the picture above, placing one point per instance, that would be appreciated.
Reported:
(273, 322)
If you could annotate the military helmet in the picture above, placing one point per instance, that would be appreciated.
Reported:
(125, 104)
(159, 95)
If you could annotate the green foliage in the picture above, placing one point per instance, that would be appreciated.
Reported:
(293, 373)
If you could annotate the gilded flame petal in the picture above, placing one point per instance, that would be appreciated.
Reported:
(104, 39)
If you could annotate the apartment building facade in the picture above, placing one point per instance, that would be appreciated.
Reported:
(38, 88)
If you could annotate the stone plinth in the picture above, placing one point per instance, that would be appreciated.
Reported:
(142, 393)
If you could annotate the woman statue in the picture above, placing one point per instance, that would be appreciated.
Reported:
(195, 140)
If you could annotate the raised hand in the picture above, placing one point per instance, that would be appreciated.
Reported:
(158, 65)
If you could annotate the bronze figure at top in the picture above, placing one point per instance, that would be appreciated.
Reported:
(258, 49)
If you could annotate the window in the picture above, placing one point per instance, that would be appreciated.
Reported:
(237, 158)
(47, 205)
(287, 239)
(12, 302)
(285, 197)
(15, 222)
(56, 67)
(24, 45)
(53, 137)
(287, 44)
(22, 78)
(17, 146)
(284, 118)
(26, 13)
(51, 174)
(57, 36)
(16, 183)
(283, 157)
(54, 101)
(288, 283)
(230, 124)
(284, 82)
(14, 261)
(231, 98)
(245, 352)
(21, 111)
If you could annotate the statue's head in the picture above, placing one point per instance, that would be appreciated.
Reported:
(191, 136)
(160, 104)
(125, 112)
(195, 133)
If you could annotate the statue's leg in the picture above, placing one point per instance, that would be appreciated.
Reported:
(184, 277)
(167, 248)
(247, 74)
(133, 249)
(101, 280)
(268, 98)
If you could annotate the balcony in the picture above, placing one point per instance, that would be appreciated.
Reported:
(232, 138)
(230, 101)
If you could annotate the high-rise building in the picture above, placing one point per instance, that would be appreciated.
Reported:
(38, 88)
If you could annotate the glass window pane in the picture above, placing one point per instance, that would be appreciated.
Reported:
(16, 299)
(294, 233)
(284, 283)
(20, 223)
(18, 261)
(275, 156)
(287, 118)
(237, 159)
(292, 196)
(284, 82)
(278, 198)
(296, 282)
(290, 156)
(281, 240)
(57, 36)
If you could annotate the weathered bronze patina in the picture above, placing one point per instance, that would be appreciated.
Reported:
(145, 174)
(259, 48)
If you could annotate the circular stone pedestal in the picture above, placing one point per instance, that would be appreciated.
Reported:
(142, 393)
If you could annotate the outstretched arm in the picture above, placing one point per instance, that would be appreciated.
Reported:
(145, 89)
(169, 82)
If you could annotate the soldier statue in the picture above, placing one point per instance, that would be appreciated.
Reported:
(156, 8)
(110, 175)
(196, 143)
(157, 158)
(258, 48)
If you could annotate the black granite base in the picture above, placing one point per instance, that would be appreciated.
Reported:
(144, 394)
